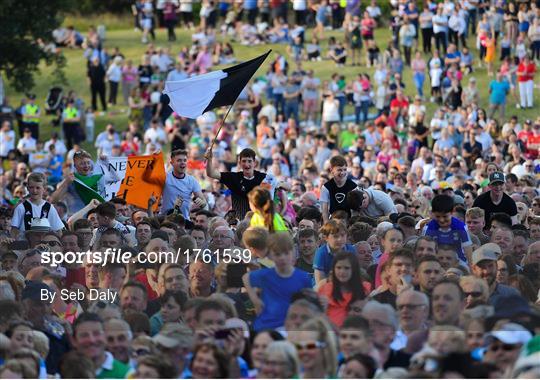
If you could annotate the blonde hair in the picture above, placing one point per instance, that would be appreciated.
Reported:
(288, 351)
(41, 343)
(326, 335)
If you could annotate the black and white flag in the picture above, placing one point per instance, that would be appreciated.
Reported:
(194, 96)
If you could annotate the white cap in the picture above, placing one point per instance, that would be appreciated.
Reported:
(40, 225)
(509, 333)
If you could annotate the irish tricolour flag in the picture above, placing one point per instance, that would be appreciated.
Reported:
(133, 178)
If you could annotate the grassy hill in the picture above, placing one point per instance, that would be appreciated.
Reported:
(121, 34)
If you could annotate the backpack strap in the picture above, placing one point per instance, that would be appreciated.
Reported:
(28, 215)
(45, 210)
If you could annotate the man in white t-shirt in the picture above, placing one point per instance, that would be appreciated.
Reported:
(180, 188)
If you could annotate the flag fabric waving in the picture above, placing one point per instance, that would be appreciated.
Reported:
(194, 96)
(133, 178)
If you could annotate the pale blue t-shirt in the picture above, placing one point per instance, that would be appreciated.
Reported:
(175, 187)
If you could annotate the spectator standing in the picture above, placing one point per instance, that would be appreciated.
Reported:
(96, 79)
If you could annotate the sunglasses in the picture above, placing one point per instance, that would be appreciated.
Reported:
(309, 345)
(504, 347)
(473, 294)
(51, 243)
(140, 352)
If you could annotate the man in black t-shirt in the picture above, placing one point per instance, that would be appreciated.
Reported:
(242, 182)
(333, 195)
(495, 200)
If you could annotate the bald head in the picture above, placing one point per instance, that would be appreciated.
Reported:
(413, 310)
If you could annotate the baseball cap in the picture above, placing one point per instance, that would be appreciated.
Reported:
(33, 290)
(174, 334)
(486, 252)
(496, 177)
(512, 306)
(509, 333)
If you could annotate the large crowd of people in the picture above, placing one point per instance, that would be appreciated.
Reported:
(336, 228)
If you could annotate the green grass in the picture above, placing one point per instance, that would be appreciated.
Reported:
(121, 34)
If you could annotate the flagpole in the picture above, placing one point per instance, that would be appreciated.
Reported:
(221, 126)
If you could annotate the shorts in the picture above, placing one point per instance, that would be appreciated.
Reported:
(310, 105)
(146, 23)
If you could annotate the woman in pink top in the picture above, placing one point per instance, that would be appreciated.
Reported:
(418, 66)
(129, 79)
(203, 62)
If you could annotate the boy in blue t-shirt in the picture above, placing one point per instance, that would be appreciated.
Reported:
(271, 289)
(335, 235)
(446, 229)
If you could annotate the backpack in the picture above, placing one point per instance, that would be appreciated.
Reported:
(29, 215)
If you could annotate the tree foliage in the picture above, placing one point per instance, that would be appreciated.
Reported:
(22, 24)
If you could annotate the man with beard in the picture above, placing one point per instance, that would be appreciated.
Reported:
(180, 188)
(133, 297)
(89, 339)
(119, 336)
(495, 200)
(428, 273)
(484, 265)
(334, 192)
(447, 303)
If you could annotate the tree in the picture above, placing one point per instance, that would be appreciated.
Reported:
(25, 30)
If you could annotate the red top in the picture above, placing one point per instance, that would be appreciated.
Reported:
(533, 145)
(337, 311)
(527, 72)
(75, 276)
(141, 277)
